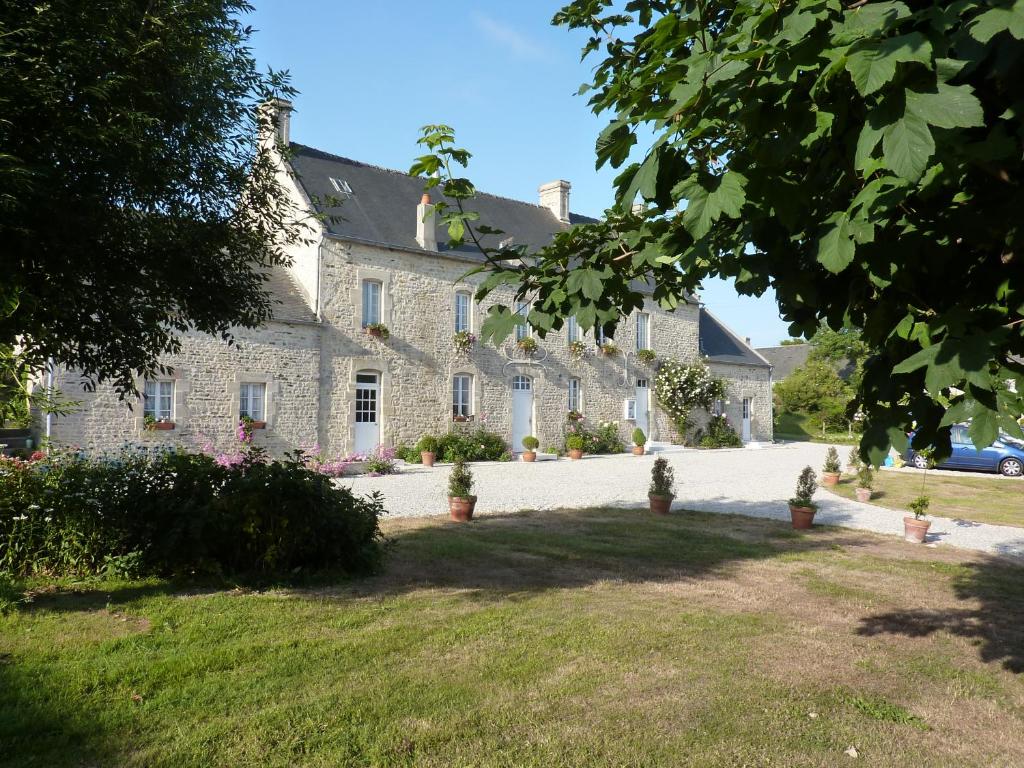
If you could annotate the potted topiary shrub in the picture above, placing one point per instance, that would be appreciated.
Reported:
(575, 444)
(853, 461)
(461, 501)
(830, 472)
(639, 441)
(663, 486)
(530, 443)
(801, 508)
(427, 446)
(865, 481)
(915, 528)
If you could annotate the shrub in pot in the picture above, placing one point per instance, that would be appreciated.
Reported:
(865, 483)
(639, 441)
(915, 528)
(853, 461)
(663, 486)
(427, 447)
(530, 443)
(461, 501)
(378, 331)
(801, 508)
(575, 444)
(830, 472)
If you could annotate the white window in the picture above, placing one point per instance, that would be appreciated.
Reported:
(252, 401)
(158, 400)
(629, 409)
(462, 395)
(523, 330)
(463, 311)
(572, 329)
(522, 383)
(371, 302)
(341, 186)
(575, 403)
(643, 331)
(601, 336)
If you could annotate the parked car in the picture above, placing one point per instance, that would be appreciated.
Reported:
(1005, 455)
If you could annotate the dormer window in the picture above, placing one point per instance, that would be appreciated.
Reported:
(341, 187)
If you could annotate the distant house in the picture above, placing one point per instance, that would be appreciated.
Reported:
(786, 358)
(320, 372)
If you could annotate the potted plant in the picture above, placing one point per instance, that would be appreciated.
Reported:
(527, 344)
(575, 444)
(152, 423)
(915, 528)
(645, 356)
(609, 348)
(463, 342)
(853, 461)
(577, 351)
(461, 501)
(427, 446)
(663, 486)
(865, 480)
(530, 443)
(378, 331)
(830, 472)
(801, 508)
(639, 441)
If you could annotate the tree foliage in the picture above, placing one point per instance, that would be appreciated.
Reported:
(863, 160)
(135, 200)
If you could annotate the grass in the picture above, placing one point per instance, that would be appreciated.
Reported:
(540, 639)
(968, 496)
(803, 427)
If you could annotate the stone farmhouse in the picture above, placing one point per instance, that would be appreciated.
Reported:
(313, 374)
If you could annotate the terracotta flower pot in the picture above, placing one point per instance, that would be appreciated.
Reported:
(428, 458)
(258, 425)
(638, 450)
(461, 508)
(163, 425)
(575, 454)
(375, 332)
(802, 517)
(829, 478)
(863, 494)
(529, 455)
(660, 505)
(915, 531)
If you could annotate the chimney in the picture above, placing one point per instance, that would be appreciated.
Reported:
(747, 340)
(555, 197)
(282, 111)
(426, 234)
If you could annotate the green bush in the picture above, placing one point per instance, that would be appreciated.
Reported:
(531, 443)
(172, 512)
(476, 445)
(410, 454)
(427, 443)
(603, 439)
(575, 443)
(719, 434)
(460, 481)
(639, 438)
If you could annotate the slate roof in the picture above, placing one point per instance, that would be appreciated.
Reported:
(786, 358)
(382, 206)
(721, 345)
(289, 302)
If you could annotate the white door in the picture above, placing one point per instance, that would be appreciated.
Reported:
(746, 419)
(643, 400)
(522, 410)
(367, 436)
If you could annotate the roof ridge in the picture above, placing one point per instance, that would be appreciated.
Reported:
(396, 172)
(784, 346)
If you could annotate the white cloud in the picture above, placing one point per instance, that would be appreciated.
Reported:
(508, 37)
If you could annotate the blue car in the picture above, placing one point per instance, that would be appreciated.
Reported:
(1005, 455)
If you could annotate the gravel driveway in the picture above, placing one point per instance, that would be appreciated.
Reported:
(745, 481)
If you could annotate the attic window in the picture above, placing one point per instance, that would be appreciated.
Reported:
(507, 242)
(341, 187)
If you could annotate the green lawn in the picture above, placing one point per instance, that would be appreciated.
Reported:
(964, 496)
(540, 639)
(802, 427)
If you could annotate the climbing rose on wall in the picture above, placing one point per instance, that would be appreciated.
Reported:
(680, 388)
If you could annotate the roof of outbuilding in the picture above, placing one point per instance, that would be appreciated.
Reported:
(288, 301)
(721, 345)
(382, 206)
(785, 358)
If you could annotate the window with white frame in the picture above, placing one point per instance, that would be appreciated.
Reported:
(371, 302)
(463, 311)
(462, 395)
(158, 399)
(252, 401)
(601, 336)
(643, 331)
(575, 401)
(522, 330)
(572, 329)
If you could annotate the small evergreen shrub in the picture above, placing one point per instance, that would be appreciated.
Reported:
(663, 480)
(531, 443)
(806, 485)
(575, 443)
(428, 444)
(476, 445)
(719, 434)
(854, 460)
(865, 477)
(460, 481)
(919, 506)
(831, 460)
(639, 438)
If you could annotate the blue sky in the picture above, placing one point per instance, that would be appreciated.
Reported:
(370, 74)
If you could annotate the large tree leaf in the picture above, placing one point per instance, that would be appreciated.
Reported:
(907, 145)
(708, 197)
(874, 65)
(991, 23)
(836, 248)
(951, 106)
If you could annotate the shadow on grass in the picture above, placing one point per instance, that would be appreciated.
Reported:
(995, 623)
